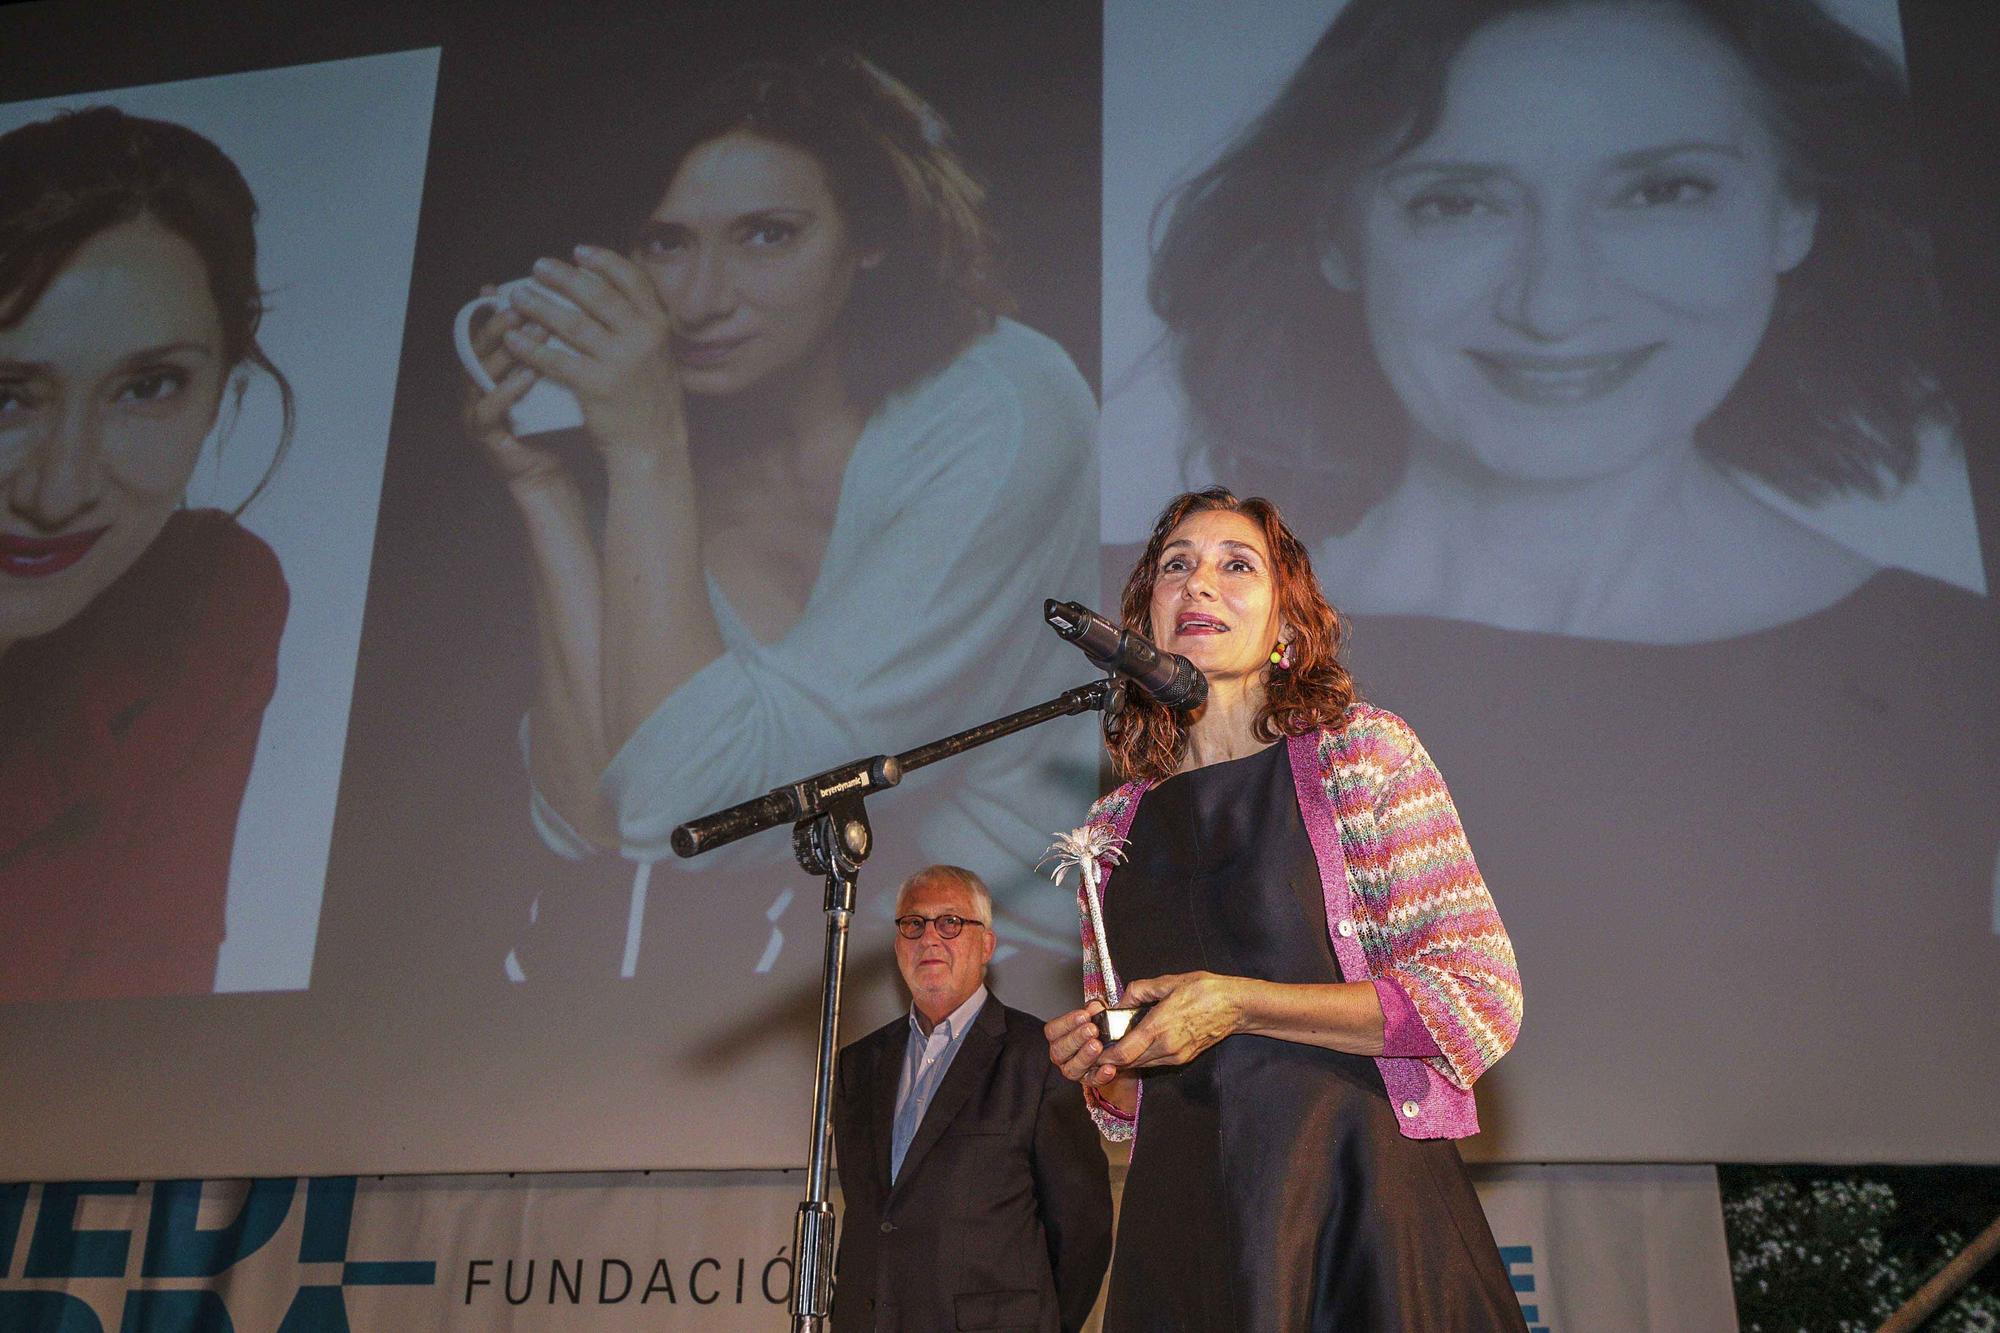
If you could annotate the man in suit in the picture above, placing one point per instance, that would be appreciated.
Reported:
(977, 1195)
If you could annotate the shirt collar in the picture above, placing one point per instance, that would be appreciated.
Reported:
(953, 1024)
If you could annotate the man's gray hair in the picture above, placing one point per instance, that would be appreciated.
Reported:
(982, 899)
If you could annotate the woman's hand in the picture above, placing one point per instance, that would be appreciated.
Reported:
(1073, 1044)
(517, 462)
(616, 359)
(1074, 1050)
(1191, 1012)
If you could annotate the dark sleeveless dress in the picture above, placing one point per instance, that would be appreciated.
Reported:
(1270, 1187)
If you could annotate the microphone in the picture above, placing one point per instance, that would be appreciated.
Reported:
(789, 805)
(1168, 678)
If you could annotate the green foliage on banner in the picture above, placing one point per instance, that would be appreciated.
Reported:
(1840, 1248)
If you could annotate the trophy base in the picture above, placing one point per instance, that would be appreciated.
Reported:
(1115, 1023)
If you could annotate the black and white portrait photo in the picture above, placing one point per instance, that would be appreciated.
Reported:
(1597, 352)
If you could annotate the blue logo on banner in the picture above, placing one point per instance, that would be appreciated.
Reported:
(1518, 1258)
(178, 1247)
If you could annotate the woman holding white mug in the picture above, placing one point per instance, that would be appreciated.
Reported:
(545, 405)
(824, 449)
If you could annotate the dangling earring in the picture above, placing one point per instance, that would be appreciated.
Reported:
(1281, 656)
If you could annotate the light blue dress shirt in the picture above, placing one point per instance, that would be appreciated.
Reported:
(925, 1059)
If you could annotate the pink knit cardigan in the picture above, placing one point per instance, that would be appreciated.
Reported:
(1405, 908)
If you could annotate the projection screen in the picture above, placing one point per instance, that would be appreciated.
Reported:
(1616, 380)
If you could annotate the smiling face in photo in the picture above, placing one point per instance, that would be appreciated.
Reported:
(1214, 597)
(1576, 265)
(752, 258)
(108, 386)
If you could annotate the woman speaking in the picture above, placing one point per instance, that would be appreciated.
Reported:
(1326, 971)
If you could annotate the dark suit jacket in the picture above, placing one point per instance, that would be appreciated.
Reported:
(1001, 1216)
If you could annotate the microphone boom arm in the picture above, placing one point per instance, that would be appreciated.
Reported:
(808, 798)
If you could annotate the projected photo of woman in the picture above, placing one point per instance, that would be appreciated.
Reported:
(838, 481)
(1538, 316)
(138, 637)
(1569, 319)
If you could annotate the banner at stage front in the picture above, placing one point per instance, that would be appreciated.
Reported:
(1587, 1247)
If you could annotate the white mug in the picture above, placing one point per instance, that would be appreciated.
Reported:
(546, 405)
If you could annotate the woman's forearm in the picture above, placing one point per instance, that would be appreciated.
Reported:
(566, 723)
(658, 627)
(1340, 1016)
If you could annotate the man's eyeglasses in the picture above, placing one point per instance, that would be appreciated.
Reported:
(948, 925)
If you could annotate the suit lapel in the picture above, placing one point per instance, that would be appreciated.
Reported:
(968, 1071)
(885, 1068)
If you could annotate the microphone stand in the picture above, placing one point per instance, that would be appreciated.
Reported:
(831, 837)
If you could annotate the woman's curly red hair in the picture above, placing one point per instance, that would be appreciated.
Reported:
(1147, 739)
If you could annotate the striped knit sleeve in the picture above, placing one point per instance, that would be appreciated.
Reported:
(1448, 950)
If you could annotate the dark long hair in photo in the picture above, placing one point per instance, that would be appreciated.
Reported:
(83, 172)
(1286, 395)
(890, 164)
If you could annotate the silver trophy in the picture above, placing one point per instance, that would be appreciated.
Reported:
(1083, 848)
